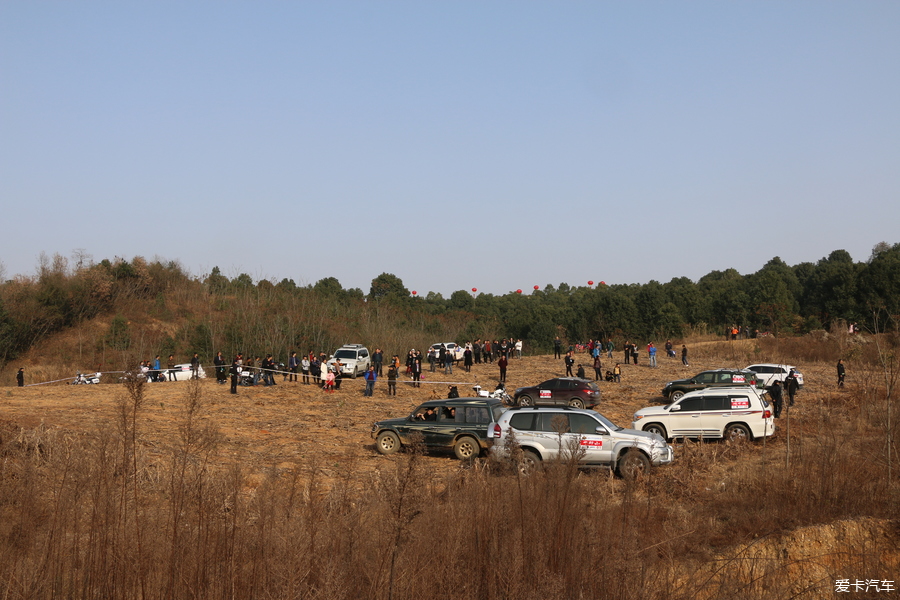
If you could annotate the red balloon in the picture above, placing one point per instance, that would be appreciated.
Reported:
(602, 283)
(537, 287)
(518, 291)
(414, 292)
(474, 289)
(590, 283)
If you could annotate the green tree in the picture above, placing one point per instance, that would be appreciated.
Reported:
(387, 285)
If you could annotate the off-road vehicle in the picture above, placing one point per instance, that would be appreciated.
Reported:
(549, 433)
(458, 424)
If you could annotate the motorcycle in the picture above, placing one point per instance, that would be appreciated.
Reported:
(86, 379)
(499, 393)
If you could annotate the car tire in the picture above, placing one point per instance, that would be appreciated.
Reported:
(531, 462)
(466, 448)
(658, 428)
(737, 432)
(387, 442)
(633, 465)
(676, 395)
(354, 374)
(526, 401)
(576, 403)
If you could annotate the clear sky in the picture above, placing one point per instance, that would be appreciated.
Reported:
(496, 145)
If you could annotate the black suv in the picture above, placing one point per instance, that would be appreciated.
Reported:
(716, 378)
(565, 391)
(460, 424)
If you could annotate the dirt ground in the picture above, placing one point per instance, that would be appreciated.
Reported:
(293, 424)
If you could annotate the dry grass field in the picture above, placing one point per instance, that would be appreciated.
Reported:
(175, 490)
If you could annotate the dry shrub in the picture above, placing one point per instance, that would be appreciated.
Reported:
(112, 515)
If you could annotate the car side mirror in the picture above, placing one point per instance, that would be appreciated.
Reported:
(602, 431)
(675, 407)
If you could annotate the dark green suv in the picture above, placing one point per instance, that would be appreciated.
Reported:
(460, 424)
(716, 378)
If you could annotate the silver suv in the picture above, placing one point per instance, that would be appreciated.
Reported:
(548, 433)
(355, 359)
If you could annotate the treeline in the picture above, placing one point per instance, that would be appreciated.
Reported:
(214, 312)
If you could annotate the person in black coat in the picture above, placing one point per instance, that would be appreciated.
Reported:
(20, 377)
(841, 372)
(792, 386)
(776, 396)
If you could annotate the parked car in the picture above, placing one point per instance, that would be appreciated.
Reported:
(769, 373)
(355, 359)
(734, 413)
(565, 391)
(715, 378)
(547, 433)
(453, 348)
(458, 424)
(183, 372)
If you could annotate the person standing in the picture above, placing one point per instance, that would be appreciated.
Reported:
(448, 362)
(651, 352)
(841, 372)
(392, 380)
(219, 362)
(171, 367)
(569, 360)
(157, 369)
(467, 359)
(378, 360)
(416, 372)
(304, 369)
(236, 372)
(792, 386)
(371, 376)
(20, 377)
(476, 351)
(488, 352)
(684, 359)
(609, 348)
(502, 363)
(627, 353)
(617, 373)
(518, 348)
(777, 398)
(557, 348)
(195, 366)
(293, 366)
(597, 368)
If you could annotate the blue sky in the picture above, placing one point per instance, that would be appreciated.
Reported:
(496, 145)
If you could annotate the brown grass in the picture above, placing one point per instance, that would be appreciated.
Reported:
(182, 491)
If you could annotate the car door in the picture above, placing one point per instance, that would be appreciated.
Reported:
(714, 416)
(702, 380)
(590, 438)
(684, 417)
(548, 392)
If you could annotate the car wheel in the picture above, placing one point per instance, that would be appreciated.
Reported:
(576, 403)
(531, 462)
(466, 448)
(526, 401)
(387, 442)
(656, 428)
(354, 374)
(737, 433)
(676, 395)
(633, 465)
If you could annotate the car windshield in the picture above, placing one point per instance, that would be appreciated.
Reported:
(609, 424)
(345, 354)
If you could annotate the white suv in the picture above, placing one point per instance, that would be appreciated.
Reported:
(355, 359)
(767, 373)
(547, 433)
(732, 413)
